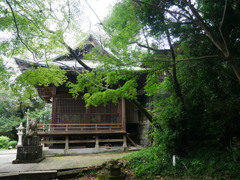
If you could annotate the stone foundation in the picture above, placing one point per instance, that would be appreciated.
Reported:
(30, 152)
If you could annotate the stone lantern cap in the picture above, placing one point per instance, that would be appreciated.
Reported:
(20, 128)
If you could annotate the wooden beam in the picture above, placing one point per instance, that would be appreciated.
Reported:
(111, 140)
(82, 141)
(58, 133)
(124, 142)
(53, 142)
(133, 143)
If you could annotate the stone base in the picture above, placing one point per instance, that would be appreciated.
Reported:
(17, 161)
(29, 154)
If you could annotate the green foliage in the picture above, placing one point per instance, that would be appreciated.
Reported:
(98, 86)
(4, 74)
(208, 115)
(203, 163)
(122, 26)
(9, 117)
(24, 84)
(43, 76)
(12, 143)
(4, 140)
(42, 112)
(151, 163)
(13, 110)
(208, 112)
(33, 29)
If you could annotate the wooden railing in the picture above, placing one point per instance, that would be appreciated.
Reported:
(79, 127)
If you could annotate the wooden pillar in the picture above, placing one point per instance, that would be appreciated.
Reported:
(88, 115)
(54, 105)
(54, 108)
(51, 139)
(123, 115)
(97, 142)
(125, 142)
(66, 142)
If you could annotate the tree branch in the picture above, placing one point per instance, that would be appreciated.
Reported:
(224, 14)
(69, 14)
(160, 51)
(30, 21)
(220, 29)
(76, 57)
(18, 34)
(162, 9)
(94, 13)
(34, 18)
(207, 30)
(177, 61)
(197, 58)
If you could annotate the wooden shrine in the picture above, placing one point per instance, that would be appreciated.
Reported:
(74, 125)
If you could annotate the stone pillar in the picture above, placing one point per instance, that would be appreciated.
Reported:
(20, 135)
(97, 142)
(66, 143)
(27, 125)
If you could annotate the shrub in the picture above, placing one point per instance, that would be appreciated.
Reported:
(12, 143)
(202, 163)
(4, 140)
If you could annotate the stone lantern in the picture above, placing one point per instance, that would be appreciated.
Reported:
(30, 150)
(20, 135)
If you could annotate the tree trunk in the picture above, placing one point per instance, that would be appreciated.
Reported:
(177, 87)
(143, 110)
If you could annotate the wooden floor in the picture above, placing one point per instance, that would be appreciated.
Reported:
(80, 133)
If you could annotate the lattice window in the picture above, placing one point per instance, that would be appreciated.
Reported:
(110, 108)
(70, 111)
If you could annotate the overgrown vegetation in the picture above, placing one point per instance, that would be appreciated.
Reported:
(196, 108)
(202, 163)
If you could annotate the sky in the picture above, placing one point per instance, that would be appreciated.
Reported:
(101, 7)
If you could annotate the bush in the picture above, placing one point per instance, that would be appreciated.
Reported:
(148, 163)
(12, 143)
(202, 163)
(4, 140)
